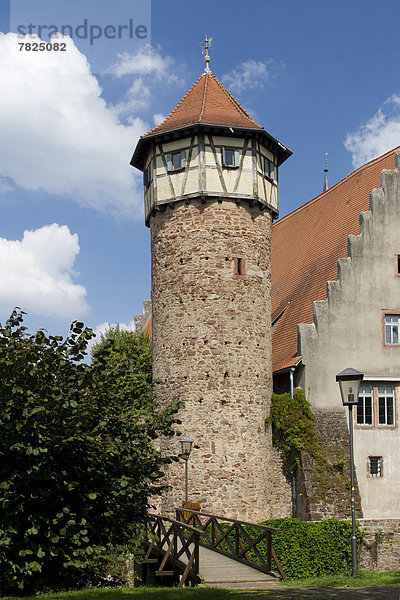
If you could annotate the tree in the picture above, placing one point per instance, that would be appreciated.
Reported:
(127, 357)
(76, 467)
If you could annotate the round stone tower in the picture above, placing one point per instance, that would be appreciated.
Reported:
(211, 192)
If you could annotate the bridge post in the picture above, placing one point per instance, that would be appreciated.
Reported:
(269, 551)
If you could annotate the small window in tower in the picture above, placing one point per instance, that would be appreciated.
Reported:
(230, 157)
(176, 160)
(239, 266)
(270, 169)
(375, 466)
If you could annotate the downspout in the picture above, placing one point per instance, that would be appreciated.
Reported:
(294, 508)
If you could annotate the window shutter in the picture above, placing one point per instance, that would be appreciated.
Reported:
(169, 162)
(145, 177)
(236, 157)
(183, 159)
(223, 156)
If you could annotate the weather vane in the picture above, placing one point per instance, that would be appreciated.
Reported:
(205, 47)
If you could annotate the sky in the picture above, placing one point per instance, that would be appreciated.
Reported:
(319, 76)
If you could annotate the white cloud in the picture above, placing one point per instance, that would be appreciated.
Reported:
(158, 118)
(378, 135)
(59, 135)
(251, 74)
(103, 327)
(150, 68)
(37, 274)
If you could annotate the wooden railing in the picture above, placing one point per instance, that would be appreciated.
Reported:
(176, 544)
(237, 539)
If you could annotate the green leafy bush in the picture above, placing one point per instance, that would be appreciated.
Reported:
(293, 429)
(77, 463)
(311, 549)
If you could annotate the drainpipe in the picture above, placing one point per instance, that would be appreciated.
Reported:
(291, 372)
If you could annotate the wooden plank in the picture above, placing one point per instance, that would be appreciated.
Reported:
(187, 570)
(278, 564)
(168, 552)
(164, 162)
(187, 166)
(219, 168)
(243, 156)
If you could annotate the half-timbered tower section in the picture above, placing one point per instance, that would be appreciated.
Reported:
(211, 192)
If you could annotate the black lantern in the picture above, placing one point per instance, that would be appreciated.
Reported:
(349, 383)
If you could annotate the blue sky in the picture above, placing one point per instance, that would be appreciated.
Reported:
(319, 76)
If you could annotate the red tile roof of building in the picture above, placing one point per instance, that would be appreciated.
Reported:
(306, 245)
(207, 102)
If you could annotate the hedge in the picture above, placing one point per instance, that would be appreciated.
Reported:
(311, 549)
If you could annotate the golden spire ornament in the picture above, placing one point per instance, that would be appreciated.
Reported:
(205, 47)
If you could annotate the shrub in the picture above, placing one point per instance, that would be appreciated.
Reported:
(311, 549)
(77, 464)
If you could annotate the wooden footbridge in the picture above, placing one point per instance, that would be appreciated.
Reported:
(198, 547)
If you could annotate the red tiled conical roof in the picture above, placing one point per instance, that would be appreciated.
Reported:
(207, 102)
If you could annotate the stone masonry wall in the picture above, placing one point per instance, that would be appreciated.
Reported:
(380, 548)
(323, 491)
(212, 348)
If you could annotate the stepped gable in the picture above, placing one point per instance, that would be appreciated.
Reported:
(306, 245)
(207, 102)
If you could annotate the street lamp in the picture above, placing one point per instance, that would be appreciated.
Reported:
(186, 448)
(349, 383)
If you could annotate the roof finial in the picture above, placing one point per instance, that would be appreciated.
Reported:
(205, 46)
(326, 173)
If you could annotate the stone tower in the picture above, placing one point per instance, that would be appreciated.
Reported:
(211, 192)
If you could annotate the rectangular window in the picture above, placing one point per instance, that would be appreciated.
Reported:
(230, 157)
(365, 406)
(392, 329)
(386, 405)
(176, 160)
(147, 176)
(270, 170)
(375, 466)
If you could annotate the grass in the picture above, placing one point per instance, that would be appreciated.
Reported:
(362, 579)
(288, 590)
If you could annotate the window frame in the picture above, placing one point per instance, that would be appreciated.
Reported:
(386, 396)
(375, 385)
(147, 175)
(363, 395)
(235, 156)
(170, 161)
(379, 469)
(267, 171)
(397, 264)
(388, 313)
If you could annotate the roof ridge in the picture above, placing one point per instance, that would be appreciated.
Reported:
(235, 102)
(203, 102)
(362, 168)
(174, 109)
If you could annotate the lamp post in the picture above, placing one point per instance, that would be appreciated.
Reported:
(186, 448)
(349, 384)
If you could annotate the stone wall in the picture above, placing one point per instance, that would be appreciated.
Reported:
(380, 549)
(323, 492)
(212, 348)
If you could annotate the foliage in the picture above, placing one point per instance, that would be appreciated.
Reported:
(293, 428)
(311, 549)
(126, 355)
(76, 466)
